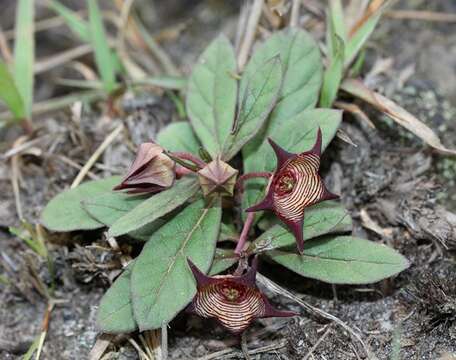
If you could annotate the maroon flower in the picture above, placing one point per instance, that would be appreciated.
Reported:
(151, 171)
(294, 186)
(234, 301)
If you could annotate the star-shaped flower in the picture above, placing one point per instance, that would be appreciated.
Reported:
(234, 301)
(151, 171)
(294, 186)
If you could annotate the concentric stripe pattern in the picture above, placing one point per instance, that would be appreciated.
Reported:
(234, 305)
(297, 185)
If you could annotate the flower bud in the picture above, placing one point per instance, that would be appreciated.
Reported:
(151, 171)
(217, 177)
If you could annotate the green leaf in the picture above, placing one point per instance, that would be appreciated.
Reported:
(258, 94)
(72, 19)
(333, 74)
(179, 136)
(9, 93)
(103, 55)
(228, 232)
(24, 52)
(223, 259)
(108, 207)
(162, 283)
(357, 41)
(211, 97)
(302, 76)
(320, 219)
(115, 314)
(65, 212)
(155, 207)
(296, 135)
(343, 260)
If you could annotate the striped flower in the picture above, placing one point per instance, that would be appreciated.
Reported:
(234, 301)
(294, 186)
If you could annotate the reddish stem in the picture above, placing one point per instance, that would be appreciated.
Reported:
(190, 157)
(252, 175)
(181, 171)
(244, 234)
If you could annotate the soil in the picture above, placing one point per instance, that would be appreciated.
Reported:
(396, 189)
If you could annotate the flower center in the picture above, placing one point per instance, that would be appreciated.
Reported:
(232, 292)
(285, 183)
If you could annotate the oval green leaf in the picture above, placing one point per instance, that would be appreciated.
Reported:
(343, 260)
(179, 136)
(155, 207)
(65, 212)
(323, 218)
(211, 96)
(115, 314)
(257, 96)
(107, 208)
(162, 283)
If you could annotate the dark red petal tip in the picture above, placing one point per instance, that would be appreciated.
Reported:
(281, 154)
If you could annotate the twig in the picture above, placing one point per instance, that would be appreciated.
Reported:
(422, 15)
(250, 31)
(284, 292)
(314, 347)
(294, 18)
(85, 169)
(234, 353)
(16, 175)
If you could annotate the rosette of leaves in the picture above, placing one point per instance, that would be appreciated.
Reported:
(230, 116)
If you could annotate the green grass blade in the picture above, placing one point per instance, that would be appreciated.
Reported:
(24, 52)
(72, 19)
(336, 24)
(103, 55)
(334, 72)
(9, 93)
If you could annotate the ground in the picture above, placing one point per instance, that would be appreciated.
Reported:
(397, 191)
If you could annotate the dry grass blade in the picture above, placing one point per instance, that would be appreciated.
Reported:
(16, 176)
(62, 58)
(250, 31)
(319, 341)
(356, 111)
(272, 286)
(395, 112)
(85, 169)
(294, 18)
(100, 346)
(5, 50)
(421, 15)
